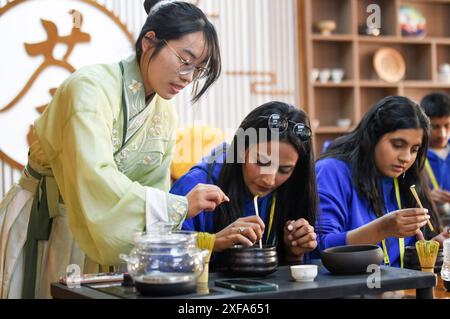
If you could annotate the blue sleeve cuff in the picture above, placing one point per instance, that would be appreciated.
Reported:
(332, 240)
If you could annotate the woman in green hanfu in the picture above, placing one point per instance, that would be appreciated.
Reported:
(99, 170)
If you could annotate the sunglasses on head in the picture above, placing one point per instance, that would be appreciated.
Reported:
(280, 123)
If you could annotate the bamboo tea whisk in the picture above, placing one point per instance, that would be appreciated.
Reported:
(427, 250)
(255, 203)
(416, 196)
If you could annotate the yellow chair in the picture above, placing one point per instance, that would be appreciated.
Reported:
(193, 143)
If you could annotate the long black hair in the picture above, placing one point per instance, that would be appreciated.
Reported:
(357, 148)
(171, 20)
(296, 198)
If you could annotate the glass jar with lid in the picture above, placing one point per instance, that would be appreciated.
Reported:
(165, 262)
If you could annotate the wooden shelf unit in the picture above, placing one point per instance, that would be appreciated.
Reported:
(346, 48)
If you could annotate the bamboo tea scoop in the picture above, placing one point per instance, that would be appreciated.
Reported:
(255, 203)
(416, 196)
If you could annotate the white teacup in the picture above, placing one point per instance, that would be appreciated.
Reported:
(314, 74)
(444, 68)
(324, 75)
(304, 273)
(337, 75)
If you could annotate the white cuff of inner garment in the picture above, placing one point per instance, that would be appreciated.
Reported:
(155, 207)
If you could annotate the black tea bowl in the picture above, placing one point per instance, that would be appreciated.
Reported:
(351, 259)
(252, 261)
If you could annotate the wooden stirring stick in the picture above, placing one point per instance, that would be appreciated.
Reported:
(416, 196)
(255, 203)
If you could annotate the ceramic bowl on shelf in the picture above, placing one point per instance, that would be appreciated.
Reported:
(444, 68)
(444, 73)
(389, 64)
(326, 27)
(344, 122)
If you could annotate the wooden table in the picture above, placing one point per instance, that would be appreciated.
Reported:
(325, 285)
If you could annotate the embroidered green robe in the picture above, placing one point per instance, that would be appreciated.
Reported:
(109, 154)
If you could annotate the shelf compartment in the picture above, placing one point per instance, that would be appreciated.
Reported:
(388, 16)
(321, 138)
(416, 94)
(334, 54)
(442, 56)
(337, 10)
(369, 96)
(334, 103)
(417, 59)
(436, 14)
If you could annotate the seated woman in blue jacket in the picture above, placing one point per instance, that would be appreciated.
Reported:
(364, 181)
(270, 156)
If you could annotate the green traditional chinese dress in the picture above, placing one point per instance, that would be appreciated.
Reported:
(97, 174)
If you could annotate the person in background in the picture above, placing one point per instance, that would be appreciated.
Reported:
(364, 181)
(278, 165)
(437, 108)
(99, 170)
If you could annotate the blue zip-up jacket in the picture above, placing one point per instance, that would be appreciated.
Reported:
(343, 209)
(204, 222)
(441, 169)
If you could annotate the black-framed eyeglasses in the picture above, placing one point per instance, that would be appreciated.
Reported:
(280, 123)
(187, 67)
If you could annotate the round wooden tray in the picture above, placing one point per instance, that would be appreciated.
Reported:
(389, 64)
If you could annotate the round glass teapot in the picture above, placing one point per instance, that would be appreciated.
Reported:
(165, 262)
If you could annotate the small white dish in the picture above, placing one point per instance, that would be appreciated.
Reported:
(304, 273)
(343, 122)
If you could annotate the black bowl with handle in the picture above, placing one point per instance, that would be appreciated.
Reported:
(351, 259)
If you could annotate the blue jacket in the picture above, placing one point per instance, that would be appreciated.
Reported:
(441, 169)
(343, 209)
(204, 222)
